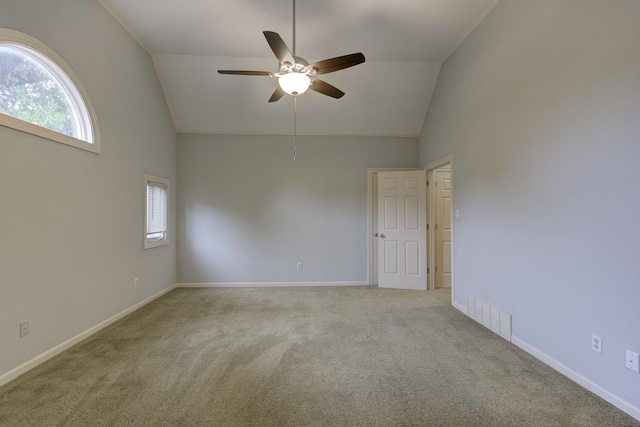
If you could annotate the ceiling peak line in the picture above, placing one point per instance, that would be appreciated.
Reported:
(303, 134)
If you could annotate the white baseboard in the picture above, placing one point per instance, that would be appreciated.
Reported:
(460, 307)
(30, 364)
(619, 403)
(267, 284)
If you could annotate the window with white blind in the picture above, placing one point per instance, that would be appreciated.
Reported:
(156, 211)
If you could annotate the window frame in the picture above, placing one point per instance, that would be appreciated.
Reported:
(158, 182)
(70, 83)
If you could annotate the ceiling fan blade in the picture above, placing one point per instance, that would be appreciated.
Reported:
(279, 47)
(338, 63)
(325, 88)
(245, 73)
(277, 94)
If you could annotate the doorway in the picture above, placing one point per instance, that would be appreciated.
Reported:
(441, 212)
(442, 227)
(372, 222)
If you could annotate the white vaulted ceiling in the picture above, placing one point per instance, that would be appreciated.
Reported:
(404, 42)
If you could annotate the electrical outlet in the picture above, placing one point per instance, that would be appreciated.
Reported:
(135, 282)
(596, 344)
(24, 328)
(632, 361)
(299, 266)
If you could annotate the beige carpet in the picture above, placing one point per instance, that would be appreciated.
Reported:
(299, 357)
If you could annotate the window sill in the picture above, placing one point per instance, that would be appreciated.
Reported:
(30, 128)
(148, 244)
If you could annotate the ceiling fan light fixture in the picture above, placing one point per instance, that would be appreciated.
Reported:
(294, 83)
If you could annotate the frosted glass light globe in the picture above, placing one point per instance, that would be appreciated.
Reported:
(294, 83)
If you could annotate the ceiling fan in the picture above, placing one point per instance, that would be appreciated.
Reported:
(295, 75)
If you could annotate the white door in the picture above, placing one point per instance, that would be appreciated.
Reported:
(374, 220)
(402, 231)
(443, 228)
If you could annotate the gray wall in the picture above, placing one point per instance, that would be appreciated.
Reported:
(248, 213)
(71, 221)
(540, 107)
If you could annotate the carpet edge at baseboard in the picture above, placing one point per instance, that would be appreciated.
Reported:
(598, 390)
(268, 284)
(14, 373)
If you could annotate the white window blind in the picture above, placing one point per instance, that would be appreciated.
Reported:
(156, 211)
(156, 219)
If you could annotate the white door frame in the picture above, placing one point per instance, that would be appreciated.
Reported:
(431, 216)
(372, 226)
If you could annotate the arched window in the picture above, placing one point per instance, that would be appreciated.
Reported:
(41, 95)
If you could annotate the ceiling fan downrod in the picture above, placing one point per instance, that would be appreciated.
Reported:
(294, 29)
(295, 75)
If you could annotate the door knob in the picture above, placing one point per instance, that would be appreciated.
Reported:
(383, 236)
(376, 235)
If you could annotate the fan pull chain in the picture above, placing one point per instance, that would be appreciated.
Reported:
(295, 128)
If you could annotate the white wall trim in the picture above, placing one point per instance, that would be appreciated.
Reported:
(267, 284)
(30, 364)
(460, 307)
(616, 401)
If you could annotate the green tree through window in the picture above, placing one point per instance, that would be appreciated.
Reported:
(29, 92)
